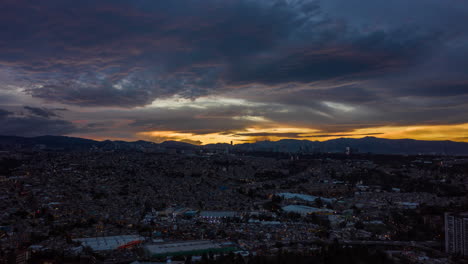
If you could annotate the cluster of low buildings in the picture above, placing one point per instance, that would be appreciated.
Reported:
(142, 206)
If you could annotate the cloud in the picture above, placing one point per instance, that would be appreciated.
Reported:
(301, 135)
(4, 113)
(212, 66)
(40, 121)
(266, 134)
(34, 126)
(43, 112)
(438, 88)
(126, 54)
(122, 53)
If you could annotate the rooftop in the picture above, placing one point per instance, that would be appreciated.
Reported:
(185, 247)
(109, 242)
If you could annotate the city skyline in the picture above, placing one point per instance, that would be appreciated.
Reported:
(219, 71)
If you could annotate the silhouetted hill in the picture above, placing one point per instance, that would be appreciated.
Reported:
(48, 141)
(361, 145)
(68, 143)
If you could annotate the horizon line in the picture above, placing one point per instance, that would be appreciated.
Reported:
(179, 141)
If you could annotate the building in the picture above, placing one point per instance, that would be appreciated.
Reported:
(305, 210)
(305, 197)
(22, 257)
(408, 205)
(185, 248)
(217, 215)
(456, 233)
(110, 242)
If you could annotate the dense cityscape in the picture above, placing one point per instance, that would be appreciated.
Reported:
(224, 206)
(234, 132)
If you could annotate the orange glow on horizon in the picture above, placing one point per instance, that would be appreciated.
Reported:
(421, 132)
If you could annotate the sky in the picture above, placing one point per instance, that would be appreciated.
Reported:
(209, 71)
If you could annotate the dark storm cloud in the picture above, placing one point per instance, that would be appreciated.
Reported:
(4, 113)
(302, 135)
(37, 121)
(127, 53)
(35, 124)
(197, 121)
(104, 53)
(439, 89)
(364, 56)
(389, 62)
(43, 112)
(69, 92)
(288, 135)
(313, 97)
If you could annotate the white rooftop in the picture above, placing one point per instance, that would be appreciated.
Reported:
(109, 242)
(302, 209)
(305, 197)
(181, 246)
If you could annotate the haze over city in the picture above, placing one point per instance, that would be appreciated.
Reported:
(243, 71)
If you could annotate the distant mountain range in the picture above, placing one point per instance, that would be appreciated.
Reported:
(361, 145)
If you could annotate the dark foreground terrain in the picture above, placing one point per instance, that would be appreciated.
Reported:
(122, 206)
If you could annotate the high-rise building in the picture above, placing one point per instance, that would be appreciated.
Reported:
(456, 233)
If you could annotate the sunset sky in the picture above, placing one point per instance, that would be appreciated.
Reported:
(207, 71)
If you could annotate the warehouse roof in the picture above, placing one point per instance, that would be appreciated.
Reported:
(185, 248)
(108, 242)
(302, 209)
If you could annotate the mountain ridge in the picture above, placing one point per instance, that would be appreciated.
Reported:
(362, 145)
